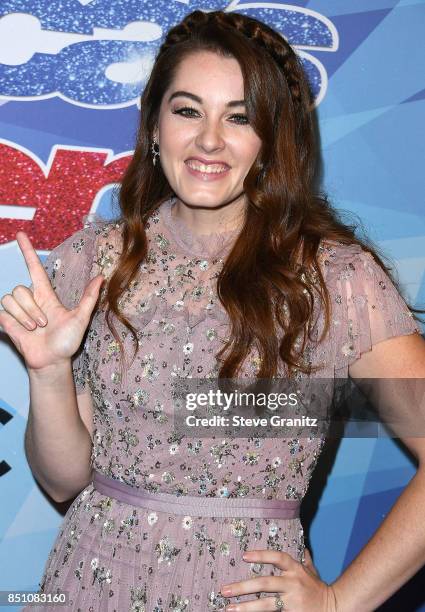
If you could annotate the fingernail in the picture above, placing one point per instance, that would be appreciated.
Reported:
(226, 591)
(231, 608)
(30, 324)
(42, 321)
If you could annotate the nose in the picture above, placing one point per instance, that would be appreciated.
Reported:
(209, 138)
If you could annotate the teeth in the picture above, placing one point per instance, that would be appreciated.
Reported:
(208, 169)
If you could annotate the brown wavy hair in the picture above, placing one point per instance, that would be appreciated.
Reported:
(261, 283)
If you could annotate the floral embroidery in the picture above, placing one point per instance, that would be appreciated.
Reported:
(138, 599)
(181, 324)
(165, 550)
(187, 522)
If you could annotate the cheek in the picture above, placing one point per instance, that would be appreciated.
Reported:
(173, 137)
(249, 153)
(247, 147)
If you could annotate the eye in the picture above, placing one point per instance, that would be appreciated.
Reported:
(185, 111)
(189, 111)
(240, 119)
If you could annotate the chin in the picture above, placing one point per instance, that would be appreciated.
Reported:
(202, 199)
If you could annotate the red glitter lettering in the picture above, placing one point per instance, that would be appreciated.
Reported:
(62, 191)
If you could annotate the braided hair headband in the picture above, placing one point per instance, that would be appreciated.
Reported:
(261, 34)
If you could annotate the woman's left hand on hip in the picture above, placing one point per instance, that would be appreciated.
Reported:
(299, 587)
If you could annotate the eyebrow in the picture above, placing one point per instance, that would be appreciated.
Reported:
(192, 96)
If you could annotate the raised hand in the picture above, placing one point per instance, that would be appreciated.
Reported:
(42, 329)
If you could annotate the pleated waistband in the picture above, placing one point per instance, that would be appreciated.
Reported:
(188, 505)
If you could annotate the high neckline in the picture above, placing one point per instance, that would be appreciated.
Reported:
(203, 245)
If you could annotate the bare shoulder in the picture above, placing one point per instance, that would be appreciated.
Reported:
(396, 357)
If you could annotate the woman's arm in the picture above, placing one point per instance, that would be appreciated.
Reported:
(63, 294)
(397, 549)
(57, 440)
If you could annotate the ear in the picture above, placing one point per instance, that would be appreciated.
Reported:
(155, 133)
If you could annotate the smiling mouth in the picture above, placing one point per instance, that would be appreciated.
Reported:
(207, 168)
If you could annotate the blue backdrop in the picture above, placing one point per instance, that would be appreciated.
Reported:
(71, 72)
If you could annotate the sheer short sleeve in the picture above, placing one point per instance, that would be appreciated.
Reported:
(366, 306)
(70, 267)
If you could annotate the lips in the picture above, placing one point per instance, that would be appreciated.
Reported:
(210, 171)
(211, 168)
(207, 162)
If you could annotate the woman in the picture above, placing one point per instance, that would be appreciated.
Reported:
(223, 263)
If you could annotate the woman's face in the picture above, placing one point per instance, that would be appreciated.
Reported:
(206, 144)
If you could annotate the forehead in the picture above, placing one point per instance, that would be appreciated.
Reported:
(209, 75)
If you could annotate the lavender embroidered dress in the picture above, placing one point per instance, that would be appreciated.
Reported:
(112, 556)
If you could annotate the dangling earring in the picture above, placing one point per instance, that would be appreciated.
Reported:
(155, 151)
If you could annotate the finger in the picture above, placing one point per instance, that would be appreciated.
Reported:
(11, 306)
(8, 324)
(90, 297)
(308, 563)
(36, 270)
(263, 604)
(25, 298)
(268, 584)
(281, 559)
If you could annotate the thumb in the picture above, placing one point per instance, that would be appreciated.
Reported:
(90, 297)
(308, 562)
